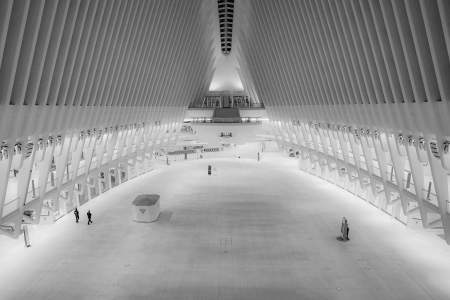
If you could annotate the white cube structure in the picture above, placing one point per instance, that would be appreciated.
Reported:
(146, 208)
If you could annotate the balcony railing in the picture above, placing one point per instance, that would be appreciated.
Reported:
(211, 102)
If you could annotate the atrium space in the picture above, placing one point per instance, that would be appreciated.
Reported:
(251, 230)
(225, 149)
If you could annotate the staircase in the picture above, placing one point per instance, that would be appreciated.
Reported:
(226, 115)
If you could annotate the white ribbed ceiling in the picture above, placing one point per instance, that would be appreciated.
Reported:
(346, 82)
(104, 53)
(84, 53)
(348, 52)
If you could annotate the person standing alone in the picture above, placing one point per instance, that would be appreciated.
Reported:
(89, 215)
(77, 214)
(345, 229)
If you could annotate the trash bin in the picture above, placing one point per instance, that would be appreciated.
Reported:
(146, 208)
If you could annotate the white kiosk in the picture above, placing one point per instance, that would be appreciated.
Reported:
(146, 208)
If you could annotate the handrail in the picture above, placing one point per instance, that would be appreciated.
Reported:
(8, 228)
(240, 105)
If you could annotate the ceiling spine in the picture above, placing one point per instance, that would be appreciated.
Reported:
(226, 12)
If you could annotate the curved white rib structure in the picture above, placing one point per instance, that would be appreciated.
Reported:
(89, 88)
(361, 89)
(93, 86)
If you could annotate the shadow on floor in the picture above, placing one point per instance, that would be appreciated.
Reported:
(165, 216)
(340, 239)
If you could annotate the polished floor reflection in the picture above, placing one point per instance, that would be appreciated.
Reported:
(250, 231)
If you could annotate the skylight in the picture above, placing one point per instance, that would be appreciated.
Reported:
(226, 10)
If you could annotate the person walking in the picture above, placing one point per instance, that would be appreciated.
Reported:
(77, 214)
(89, 215)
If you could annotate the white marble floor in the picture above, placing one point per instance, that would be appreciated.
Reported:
(253, 231)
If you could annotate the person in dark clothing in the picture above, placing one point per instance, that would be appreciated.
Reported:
(89, 215)
(77, 215)
(344, 229)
